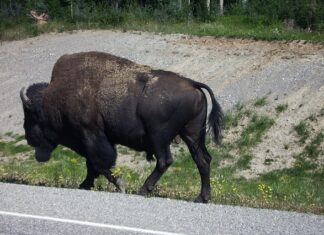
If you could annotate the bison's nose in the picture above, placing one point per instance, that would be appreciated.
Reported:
(42, 154)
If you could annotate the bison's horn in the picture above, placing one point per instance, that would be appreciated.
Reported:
(25, 100)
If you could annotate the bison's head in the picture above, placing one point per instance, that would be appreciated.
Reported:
(37, 131)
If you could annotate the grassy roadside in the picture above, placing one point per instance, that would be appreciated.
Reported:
(222, 26)
(299, 188)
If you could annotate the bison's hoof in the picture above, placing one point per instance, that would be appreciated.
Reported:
(144, 191)
(200, 199)
(85, 186)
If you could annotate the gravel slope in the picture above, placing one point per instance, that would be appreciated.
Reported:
(237, 70)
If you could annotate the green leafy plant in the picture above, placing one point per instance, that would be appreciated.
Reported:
(244, 162)
(281, 108)
(302, 130)
(261, 102)
(254, 131)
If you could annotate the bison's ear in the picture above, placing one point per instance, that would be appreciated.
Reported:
(25, 100)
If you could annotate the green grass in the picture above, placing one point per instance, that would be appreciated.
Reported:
(281, 108)
(244, 162)
(13, 147)
(235, 26)
(255, 130)
(261, 102)
(321, 114)
(233, 118)
(313, 149)
(302, 130)
(65, 169)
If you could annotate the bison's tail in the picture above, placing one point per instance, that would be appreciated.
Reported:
(215, 118)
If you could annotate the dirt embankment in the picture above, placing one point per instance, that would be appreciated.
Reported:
(237, 70)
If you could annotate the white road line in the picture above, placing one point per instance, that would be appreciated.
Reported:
(86, 223)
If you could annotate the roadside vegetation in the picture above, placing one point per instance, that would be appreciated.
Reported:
(297, 188)
(265, 20)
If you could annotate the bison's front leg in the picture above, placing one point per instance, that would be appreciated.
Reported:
(101, 155)
(92, 174)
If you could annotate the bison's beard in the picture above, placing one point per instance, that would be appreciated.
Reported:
(42, 154)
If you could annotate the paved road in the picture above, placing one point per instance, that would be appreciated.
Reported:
(42, 210)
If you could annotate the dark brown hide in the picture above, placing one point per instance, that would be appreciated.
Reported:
(96, 100)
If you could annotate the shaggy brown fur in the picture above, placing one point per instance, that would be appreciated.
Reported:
(96, 100)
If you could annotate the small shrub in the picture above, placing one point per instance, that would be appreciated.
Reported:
(321, 114)
(255, 130)
(281, 108)
(302, 130)
(265, 191)
(313, 149)
(117, 171)
(261, 102)
(232, 118)
(312, 118)
(244, 162)
(217, 184)
(302, 165)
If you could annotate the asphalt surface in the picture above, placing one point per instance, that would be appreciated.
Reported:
(43, 210)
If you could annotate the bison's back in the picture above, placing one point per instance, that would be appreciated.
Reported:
(94, 65)
(92, 73)
(85, 85)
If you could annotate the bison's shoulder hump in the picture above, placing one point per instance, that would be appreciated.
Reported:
(95, 55)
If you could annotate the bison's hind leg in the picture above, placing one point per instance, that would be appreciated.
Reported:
(193, 135)
(163, 161)
(202, 159)
(116, 180)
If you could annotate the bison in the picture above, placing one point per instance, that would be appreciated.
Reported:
(96, 100)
